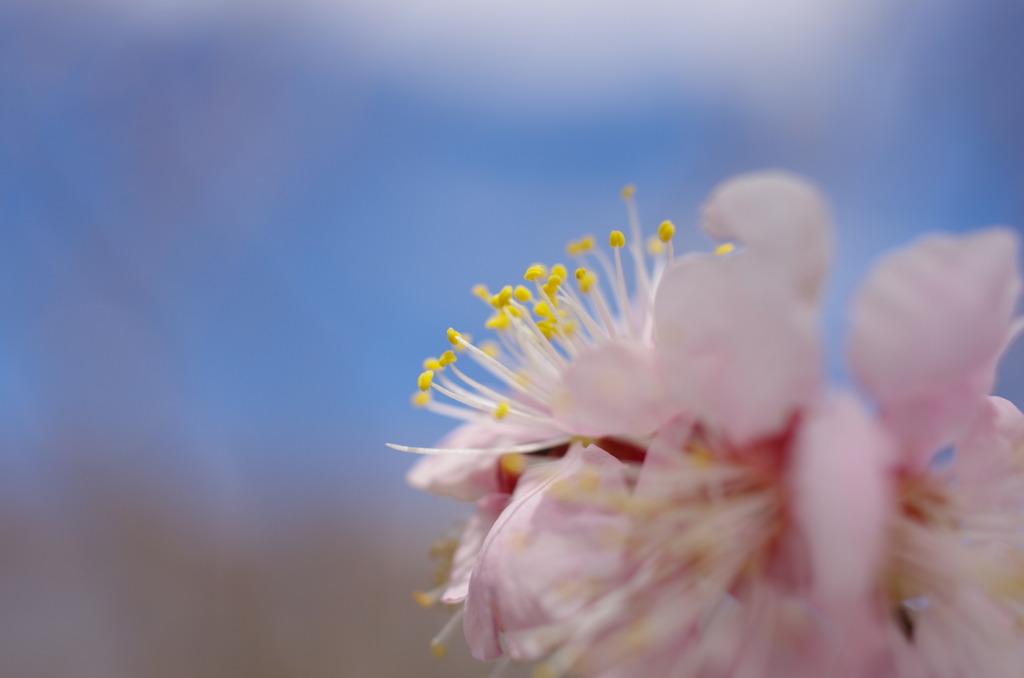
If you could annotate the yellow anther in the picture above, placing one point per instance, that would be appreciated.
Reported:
(423, 599)
(655, 246)
(616, 239)
(498, 321)
(425, 379)
(588, 281)
(568, 328)
(446, 358)
(724, 248)
(551, 290)
(666, 231)
(577, 247)
(560, 271)
(534, 272)
(542, 310)
(502, 298)
(546, 670)
(421, 399)
(627, 191)
(468, 338)
(555, 280)
(491, 348)
(438, 650)
(512, 311)
(580, 272)
(522, 294)
(513, 464)
(453, 336)
(482, 292)
(546, 327)
(501, 410)
(432, 364)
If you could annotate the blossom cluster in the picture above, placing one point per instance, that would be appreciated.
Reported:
(665, 486)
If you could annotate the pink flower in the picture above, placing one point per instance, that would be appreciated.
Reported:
(713, 574)
(928, 328)
(720, 512)
(469, 477)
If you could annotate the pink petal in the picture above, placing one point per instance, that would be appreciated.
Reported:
(741, 348)
(841, 499)
(989, 458)
(927, 329)
(611, 390)
(539, 549)
(468, 477)
(665, 453)
(487, 511)
(778, 216)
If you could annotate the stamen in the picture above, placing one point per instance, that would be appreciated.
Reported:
(438, 648)
(501, 298)
(501, 410)
(482, 292)
(665, 233)
(525, 448)
(424, 380)
(618, 241)
(725, 248)
(446, 410)
(492, 393)
(467, 398)
(558, 361)
(535, 272)
(514, 464)
(498, 321)
(643, 279)
(595, 330)
(550, 309)
(491, 348)
(655, 247)
(589, 285)
(421, 399)
(432, 364)
(429, 598)
(500, 371)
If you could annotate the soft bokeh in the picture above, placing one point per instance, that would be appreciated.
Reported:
(230, 232)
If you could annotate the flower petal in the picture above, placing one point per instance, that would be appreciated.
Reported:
(487, 511)
(611, 390)
(927, 329)
(841, 498)
(469, 477)
(543, 557)
(777, 216)
(741, 348)
(990, 459)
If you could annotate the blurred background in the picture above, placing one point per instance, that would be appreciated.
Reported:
(231, 231)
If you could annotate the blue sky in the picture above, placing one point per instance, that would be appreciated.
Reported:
(229, 239)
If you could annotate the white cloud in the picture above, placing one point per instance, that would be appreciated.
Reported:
(530, 53)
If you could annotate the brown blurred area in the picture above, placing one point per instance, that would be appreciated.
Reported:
(119, 586)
